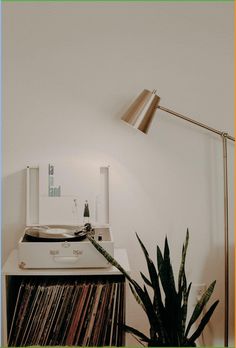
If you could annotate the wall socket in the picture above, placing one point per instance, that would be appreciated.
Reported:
(197, 291)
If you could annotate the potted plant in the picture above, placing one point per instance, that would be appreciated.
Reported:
(167, 318)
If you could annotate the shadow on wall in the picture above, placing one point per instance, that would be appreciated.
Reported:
(214, 331)
(13, 210)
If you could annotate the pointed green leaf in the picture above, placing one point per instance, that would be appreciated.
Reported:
(200, 305)
(139, 291)
(147, 281)
(109, 257)
(140, 295)
(173, 322)
(152, 271)
(168, 268)
(154, 317)
(203, 322)
(130, 329)
(151, 314)
(137, 298)
(166, 250)
(182, 266)
(166, 272)
(158, 305)
(185, 308)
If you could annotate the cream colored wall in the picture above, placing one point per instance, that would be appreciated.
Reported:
(71, 69)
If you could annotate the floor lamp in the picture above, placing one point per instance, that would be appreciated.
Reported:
(140, 115)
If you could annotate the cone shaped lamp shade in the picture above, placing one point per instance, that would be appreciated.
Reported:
(142, 110)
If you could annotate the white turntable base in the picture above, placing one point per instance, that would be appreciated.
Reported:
(68, 254)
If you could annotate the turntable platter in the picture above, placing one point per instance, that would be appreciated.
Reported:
(54, 233)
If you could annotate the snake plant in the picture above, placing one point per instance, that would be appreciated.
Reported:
(167, 317)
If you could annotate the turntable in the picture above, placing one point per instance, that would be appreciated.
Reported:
(56, 231)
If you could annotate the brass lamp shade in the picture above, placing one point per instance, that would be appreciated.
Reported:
(141, 111)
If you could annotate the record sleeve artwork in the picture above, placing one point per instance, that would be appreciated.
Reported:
(53, 233)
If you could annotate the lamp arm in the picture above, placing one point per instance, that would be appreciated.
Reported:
(224, 134)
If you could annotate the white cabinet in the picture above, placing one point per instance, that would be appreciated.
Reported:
(12, 276)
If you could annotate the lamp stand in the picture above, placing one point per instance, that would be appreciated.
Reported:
(226, 234)
(225, 136)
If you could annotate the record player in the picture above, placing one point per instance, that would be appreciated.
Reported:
(56, 226)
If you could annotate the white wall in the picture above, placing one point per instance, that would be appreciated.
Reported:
(71, 69)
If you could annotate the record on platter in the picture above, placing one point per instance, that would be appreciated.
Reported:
(55, 233)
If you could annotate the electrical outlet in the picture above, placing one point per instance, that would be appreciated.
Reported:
(197, 292)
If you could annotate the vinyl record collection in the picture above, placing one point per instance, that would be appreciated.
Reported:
(49, 312)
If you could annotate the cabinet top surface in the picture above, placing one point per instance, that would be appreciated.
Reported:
(11, 267)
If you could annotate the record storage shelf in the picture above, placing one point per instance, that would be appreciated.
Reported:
(12, 275)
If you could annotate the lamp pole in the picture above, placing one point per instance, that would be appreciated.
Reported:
(226, 228)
